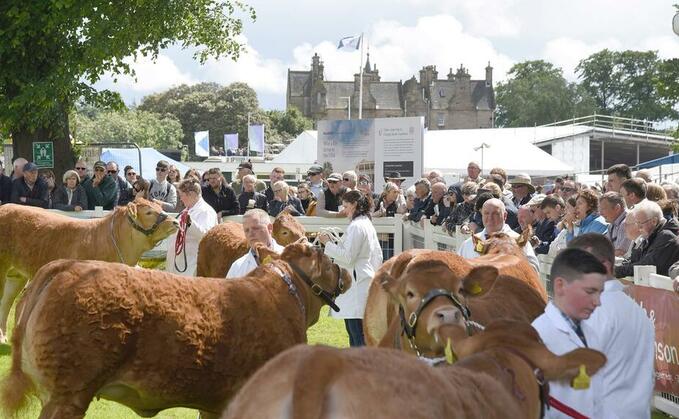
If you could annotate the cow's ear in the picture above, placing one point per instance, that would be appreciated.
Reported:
(568, 366)
(265, 255)
(479, 244)
(479, 281)
(132, 209)
(388, 283)
(525, 236)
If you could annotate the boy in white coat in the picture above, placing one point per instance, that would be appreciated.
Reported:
(578, 279)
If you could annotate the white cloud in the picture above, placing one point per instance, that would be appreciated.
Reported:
(567, 53)
(150, 76)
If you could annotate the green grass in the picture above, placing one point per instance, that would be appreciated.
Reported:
(327, 331)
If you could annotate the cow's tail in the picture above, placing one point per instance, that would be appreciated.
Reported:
(312, 383)
(17, 387)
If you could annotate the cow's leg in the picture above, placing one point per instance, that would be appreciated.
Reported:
(14, 282)
(62, 409)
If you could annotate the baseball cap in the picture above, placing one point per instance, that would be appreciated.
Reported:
(245, 165)
(315, 169)
(334, 177)
(99, 164)
(30, 167)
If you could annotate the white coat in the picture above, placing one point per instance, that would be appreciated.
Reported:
(360, 253)
(627, 337)
(203, 218)
(560, 338)
(467, 251)
(247, 263)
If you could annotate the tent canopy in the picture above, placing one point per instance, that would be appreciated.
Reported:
(149, 158)
(451, 150)
(671, 159)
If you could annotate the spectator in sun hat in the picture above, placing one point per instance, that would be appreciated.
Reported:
(331, 199)
(30, 189)
(395, 177)
(522, 189)
(315, 176)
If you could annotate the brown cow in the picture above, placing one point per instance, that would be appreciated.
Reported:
(32, 237)
(498, 376)
(489, 294)
(226, 242)
(505, 253)
(153, 340)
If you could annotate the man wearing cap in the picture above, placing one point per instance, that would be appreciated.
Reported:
(522, 189)
(102, 189)
(396, 178)
(473, 172)
(315, 176)
(29, 189)
(330, 200)
(245, 168)
(5, 186)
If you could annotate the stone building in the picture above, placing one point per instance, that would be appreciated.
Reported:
(454, 102)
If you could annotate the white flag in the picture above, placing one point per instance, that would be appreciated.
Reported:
(350, 43)
(202, 139)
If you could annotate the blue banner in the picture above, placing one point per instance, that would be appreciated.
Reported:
(256, 138)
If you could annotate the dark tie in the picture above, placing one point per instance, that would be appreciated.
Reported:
(578, 331)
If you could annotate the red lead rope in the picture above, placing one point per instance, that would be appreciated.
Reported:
(181, 233)
(565, 409)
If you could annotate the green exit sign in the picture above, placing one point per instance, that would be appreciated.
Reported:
(43, 154)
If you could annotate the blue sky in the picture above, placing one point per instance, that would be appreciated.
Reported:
(405, 35)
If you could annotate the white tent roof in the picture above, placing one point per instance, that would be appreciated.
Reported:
(301, 150)
(451, 150)
(149, 158)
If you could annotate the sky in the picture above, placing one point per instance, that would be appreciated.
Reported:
(404, 35)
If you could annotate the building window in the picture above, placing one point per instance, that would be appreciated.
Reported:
(442, 93)
(440, 120)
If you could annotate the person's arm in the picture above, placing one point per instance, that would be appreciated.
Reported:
(42, 199)
(61, 200)
(16, 192)
(170, 201)
(320, 208)
(347, 250)
(232, 207)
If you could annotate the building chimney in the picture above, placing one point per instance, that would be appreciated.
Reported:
(489, 75)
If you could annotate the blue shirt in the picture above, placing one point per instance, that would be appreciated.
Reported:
(593, 223)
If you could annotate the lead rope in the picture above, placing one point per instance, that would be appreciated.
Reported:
(180, 243)
(115, 244)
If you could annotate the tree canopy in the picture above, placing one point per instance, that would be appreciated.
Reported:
(53, 51)
(537, 93)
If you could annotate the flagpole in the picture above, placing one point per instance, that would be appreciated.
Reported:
(248, 148)
(360, 82)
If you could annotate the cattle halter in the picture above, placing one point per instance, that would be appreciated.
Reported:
(162, 216)
(318, 291)
(409, 326)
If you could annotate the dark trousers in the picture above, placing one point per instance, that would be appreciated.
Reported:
(355, 330)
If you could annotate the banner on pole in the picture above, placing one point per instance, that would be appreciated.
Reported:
(202, 139)
(256, 138)
(230, 141)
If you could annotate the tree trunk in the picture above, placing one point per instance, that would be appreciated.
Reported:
(64, 158)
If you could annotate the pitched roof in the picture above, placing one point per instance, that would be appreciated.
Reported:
(298, 81)
(387, 94)
(336, 92)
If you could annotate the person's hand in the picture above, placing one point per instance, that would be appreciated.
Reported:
(77, 208)
(158, 201)
(464, 229)
(405, 217)
(98, 177)
(433, 219)
(446, 201)
(290, 209)
(323, 237)
(534, 241)
(22, 199)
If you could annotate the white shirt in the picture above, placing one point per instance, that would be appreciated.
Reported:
(247, 263)
(627, 339)
(560, 338)
(467, 251)
(358, 252)
(203, 218)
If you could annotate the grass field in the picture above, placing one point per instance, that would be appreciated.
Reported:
(327, 331)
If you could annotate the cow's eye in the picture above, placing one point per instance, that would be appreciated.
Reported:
(148, 213)
(410, 294)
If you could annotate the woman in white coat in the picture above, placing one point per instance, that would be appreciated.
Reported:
(194, 221)
(360, 253)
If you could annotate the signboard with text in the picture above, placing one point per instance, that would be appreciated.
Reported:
(43, 154)
(662, 307)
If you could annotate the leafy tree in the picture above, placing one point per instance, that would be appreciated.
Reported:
(207, 106)
(146, 129)
(53, 51)
(288, 124)
(625, 83)
(537, 93)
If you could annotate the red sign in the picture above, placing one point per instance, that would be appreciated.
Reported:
(662, 307)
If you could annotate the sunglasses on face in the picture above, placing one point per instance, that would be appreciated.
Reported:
(346, 179)
(112, 172)
(160, 169)
(98, 169)
(131, 174)
(81, 168)
(568, 189)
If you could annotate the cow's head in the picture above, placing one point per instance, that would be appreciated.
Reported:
(428, 296)
(502, 243)
(286, 229)
(323, 278)
(524, 340)
(149, 218)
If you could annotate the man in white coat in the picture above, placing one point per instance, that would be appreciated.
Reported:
(626, 336)
(258, 228)
(578, 279)
(494, 214)
(194, 221)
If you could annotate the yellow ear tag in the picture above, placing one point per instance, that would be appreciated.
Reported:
(267, 260)
(450, 355)
(480, 247)
(476, 289)
(582, 380)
